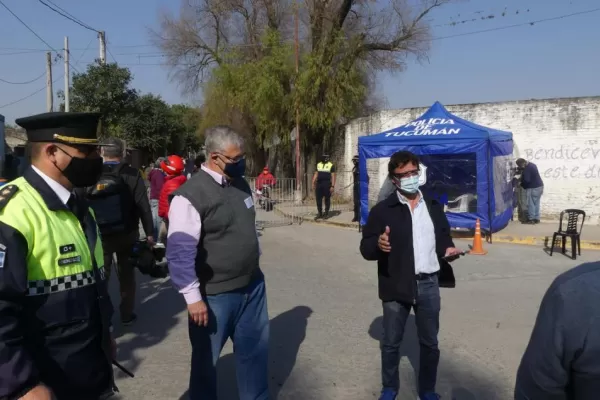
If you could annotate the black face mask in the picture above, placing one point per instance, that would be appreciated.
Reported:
(82, 172)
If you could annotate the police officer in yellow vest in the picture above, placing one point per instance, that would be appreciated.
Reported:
(323, 183)
(55, 340)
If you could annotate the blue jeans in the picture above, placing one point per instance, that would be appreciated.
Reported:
(533, 202)
(155, 218)
(427, 317)
(242, 316)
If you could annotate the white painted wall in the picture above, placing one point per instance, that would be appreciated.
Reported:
(561, 136)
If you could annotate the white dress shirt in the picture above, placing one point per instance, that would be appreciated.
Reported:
(426, 260)
(63, 193)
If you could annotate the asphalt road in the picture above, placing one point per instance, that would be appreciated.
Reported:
(326, 318)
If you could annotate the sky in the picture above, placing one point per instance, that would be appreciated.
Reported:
(472, 58)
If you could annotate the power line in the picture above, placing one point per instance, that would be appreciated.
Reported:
(24, 83)
(22, 52)
(530, 23)
(67, 15)
(29, 95)
(84, 51)
(38, 36)
(27, 26)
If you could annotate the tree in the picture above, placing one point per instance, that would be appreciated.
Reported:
(144, 121)
(105, 89)
(240, 51)
(186, 123)
(148, 125)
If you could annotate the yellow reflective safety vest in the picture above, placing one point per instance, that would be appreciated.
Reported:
(324, 167)
(324, 171)
(54, 293)
(59, 257)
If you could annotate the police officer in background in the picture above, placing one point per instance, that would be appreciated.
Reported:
(55, 313)
(323, 183)
(356, 189)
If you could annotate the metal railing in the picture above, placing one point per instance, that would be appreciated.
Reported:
(281, 204)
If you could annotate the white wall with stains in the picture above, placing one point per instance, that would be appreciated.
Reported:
(561, 136)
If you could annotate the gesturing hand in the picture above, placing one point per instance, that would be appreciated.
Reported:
(384, 241)
(198, 313)
(40, 392)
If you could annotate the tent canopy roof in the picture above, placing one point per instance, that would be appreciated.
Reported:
(436, 126)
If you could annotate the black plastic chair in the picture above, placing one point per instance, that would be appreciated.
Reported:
(572, 231)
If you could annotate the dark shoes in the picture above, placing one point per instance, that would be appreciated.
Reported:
(388, 394)
(532, 222)
(319, 217)
(129, 321)
(391, 394)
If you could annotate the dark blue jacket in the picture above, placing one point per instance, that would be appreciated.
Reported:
(531, 178)
(562, 360)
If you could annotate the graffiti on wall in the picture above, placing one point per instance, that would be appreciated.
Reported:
(567, 161)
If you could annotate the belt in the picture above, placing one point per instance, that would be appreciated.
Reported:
(423, 276)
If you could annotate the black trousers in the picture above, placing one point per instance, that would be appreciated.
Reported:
(323, 191)
(356, 198)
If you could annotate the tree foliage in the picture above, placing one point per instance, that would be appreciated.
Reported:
(143, 121)
(241, 54)
(105, 89)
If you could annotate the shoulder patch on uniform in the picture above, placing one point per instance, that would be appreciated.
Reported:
(6, 193)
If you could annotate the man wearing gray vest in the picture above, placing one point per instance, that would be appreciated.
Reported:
(213, 254)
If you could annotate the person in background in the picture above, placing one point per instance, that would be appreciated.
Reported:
(214, 262)
(55, 312)
(408, 235)
(356, 189)
(173, 168)
(157, 180)
(120, 200)
(532, 182)
(562, 360)
(198, 161)
(143, 172)
(190, 167)
(265, 178)
(323, 183)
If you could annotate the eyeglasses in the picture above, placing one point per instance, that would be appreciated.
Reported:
(233, 160)
(407, 174)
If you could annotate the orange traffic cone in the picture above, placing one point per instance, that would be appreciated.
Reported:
(477, 248)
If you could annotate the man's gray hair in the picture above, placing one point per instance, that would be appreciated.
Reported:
(217, 138)
(114, 148)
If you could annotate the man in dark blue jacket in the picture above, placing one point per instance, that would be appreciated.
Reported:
(407, 235)
(562, 360)
(532, 182)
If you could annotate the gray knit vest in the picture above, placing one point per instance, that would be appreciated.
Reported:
(228, 250)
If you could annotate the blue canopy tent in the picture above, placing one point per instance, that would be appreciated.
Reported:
(468, 166)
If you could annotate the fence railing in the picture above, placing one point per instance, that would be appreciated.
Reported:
(279, 203)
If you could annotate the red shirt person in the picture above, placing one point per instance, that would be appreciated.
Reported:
(173, 167)
(265, 178)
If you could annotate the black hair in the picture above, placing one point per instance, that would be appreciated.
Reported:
(400, 159)
(521, 162)
(200, 159)
(33, 150)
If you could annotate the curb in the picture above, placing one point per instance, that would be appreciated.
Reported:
(541, 241)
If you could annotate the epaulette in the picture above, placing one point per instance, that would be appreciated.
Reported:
(6, 193)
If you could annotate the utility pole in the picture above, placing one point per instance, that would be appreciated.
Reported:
(298, 167)
(67, 76)
(49, 93)
(102, 37)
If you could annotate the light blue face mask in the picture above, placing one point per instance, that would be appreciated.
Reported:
(408, 185)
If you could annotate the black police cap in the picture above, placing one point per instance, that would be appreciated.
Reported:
(62, 127)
